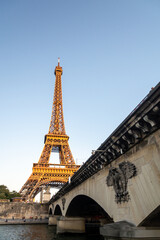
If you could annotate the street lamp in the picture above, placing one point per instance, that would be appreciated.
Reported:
(94, 151)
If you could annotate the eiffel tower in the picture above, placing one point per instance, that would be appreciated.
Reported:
(43, 173)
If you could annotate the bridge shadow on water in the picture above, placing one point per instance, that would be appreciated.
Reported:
(77, 237)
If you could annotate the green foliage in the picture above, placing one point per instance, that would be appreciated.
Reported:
(6, 194)
(2, 195)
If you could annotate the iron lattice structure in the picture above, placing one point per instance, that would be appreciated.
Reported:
(44, 173)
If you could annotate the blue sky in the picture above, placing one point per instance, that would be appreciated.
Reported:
(110, 54)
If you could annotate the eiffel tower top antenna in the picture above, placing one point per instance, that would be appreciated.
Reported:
(58, 62)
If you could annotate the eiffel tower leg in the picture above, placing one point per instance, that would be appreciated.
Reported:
(45, 155)
(67, 154)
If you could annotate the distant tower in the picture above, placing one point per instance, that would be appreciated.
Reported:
(45, 174)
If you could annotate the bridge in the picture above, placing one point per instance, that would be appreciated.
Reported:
(121, 179)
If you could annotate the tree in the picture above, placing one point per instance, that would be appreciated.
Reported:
(6, 194)
(2, 196)
(14, 194)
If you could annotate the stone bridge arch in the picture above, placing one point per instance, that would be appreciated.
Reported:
(93, 190)
(84, 206)
(152, 220)
(57, 210)
(50, 211)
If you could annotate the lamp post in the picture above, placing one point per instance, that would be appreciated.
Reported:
(94, 151)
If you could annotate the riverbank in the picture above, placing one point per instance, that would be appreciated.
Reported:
(23, 221)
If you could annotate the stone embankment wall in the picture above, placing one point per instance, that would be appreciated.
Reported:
(23, 210)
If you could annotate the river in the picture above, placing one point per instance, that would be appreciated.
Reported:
(37, 232)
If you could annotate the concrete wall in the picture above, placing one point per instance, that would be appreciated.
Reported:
(20, 210)
(144, 189)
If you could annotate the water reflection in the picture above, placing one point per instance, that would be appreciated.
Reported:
(27, 232)
(38, 232)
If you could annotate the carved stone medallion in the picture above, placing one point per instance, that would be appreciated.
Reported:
(118, 178)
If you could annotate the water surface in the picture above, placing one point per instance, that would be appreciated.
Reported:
(37, 232)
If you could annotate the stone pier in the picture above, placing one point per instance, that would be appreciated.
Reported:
(126, 231)
(53, 219)
(71, 225)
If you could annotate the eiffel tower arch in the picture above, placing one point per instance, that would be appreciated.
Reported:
(44, 173)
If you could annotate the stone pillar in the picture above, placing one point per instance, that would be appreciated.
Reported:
(41, 196)
(71, 225)
(53, 219)
(46, 195)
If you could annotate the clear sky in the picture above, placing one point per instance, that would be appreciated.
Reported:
(110, 54)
